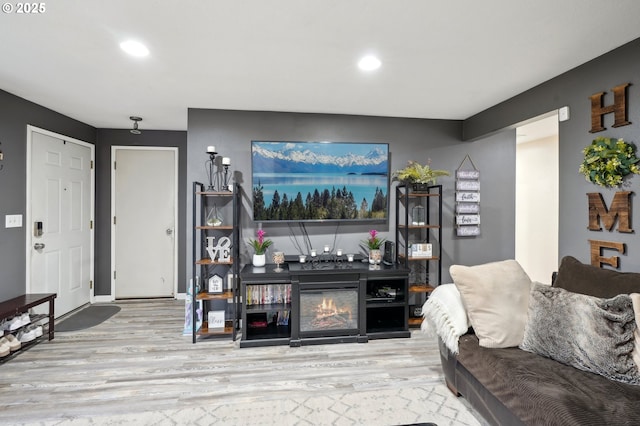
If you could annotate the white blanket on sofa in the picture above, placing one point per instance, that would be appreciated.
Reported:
(445, 315)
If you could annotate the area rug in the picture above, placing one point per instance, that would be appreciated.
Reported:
(418, 405)
(87, 318)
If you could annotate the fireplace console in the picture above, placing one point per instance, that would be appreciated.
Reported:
(327, 302)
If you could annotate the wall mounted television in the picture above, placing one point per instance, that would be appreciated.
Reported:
(319, 181)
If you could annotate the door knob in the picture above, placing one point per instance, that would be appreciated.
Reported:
(38, 246)
(169, 231)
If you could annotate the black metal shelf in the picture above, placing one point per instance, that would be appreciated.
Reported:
(429, 232)
(205, 268)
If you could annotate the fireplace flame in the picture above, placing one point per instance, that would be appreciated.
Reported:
(328, 308)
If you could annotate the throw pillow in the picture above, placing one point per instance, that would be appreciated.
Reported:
(635, 299)
(586, 332)
(496, 296)
(578, 277)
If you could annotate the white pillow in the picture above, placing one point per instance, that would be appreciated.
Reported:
(496, 297)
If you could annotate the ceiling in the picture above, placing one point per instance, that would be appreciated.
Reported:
(440, 59)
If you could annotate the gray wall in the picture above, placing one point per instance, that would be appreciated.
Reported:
(17, 113)
(494, 158)
(105, 140)
(409, 139)
(573, 89)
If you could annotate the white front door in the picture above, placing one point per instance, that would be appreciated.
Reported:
(59, 218)
(144, 207)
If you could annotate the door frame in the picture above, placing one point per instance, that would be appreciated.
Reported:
(114, 149)
(92, 202)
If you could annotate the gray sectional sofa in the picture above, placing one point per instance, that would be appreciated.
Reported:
(512, 386)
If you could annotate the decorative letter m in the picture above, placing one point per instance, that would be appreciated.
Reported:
(620, 208)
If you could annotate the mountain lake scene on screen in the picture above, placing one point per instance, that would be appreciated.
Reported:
(316, 181)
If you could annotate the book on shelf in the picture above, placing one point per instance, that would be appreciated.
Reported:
(268, 294)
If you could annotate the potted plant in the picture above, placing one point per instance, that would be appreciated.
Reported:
(260, 246)
(419, 176)
(373, 244)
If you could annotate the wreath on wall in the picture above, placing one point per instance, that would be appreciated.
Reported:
(608, 160)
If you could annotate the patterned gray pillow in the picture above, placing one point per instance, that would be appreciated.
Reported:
(586, 332)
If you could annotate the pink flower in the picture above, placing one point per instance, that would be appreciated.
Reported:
(260, 245)
(373, 242)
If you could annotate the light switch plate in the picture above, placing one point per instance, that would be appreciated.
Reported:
(563, 113)
(13, 221)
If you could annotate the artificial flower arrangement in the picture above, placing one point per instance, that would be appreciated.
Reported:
(608, 160)
(374, 242)
(417, 173)
(260, 244)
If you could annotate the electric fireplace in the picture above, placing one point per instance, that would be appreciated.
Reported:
(330, 309)
(324, 310)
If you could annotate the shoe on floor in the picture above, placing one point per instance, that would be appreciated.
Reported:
(11, 341)
(25, 336)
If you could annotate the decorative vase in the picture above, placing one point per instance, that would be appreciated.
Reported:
(259, 260)
(214, 218)
(418, 215)
(375, 256)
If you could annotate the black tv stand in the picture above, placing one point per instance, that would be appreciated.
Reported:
(279, 308)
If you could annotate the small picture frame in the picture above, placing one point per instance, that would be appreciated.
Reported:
(421, 250)
(215, 284)
(215, 320)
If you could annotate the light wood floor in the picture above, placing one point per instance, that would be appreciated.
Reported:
(139, 361)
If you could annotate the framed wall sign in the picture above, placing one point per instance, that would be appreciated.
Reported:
(468, 219)
(467, 174)
(467, 199)
(467, 185)
(467, 231)
(467, 208)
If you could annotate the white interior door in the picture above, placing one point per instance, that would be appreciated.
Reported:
(60, 204)
(144, 204)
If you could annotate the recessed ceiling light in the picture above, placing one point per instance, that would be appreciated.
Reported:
(134, 48)
(369, 63)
